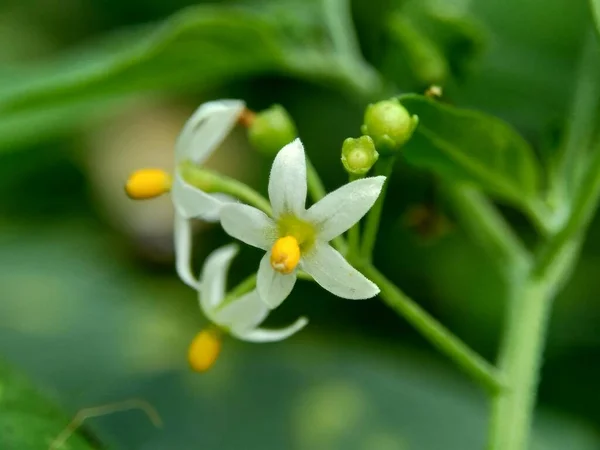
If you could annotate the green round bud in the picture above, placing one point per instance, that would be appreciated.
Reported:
(271, 130)
(389, 124)
(359, 155)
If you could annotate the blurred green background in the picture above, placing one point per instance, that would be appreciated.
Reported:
(90, 306)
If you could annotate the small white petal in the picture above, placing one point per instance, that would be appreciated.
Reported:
(206, 129)
(263, 335)
(249, 225)
(287, 182)
(193, 203)
(213, 278)
(182, 237)
(342, 208)
(273, 287)
(242, 314)
(334, 273)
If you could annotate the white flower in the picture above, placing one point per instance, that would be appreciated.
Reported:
(242, 316)
(297, 237)
(202, 134)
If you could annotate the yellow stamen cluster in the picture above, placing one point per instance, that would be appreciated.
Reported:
(204, 350)
(285, 254)
(147, 183)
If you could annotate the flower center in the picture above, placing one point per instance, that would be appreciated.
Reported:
(204, 350)
(285, 254)
(147, 183)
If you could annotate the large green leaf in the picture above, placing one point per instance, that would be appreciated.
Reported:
(463, 145)
(195, 49)
(28, 421)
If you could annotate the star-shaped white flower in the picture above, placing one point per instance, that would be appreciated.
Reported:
(241, 317)
(202, 134)
(297, 237)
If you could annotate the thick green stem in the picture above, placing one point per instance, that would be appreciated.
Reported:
(520, 361)
(523, 345)
(384, 167)
(522, 349)
(209, 181)
(433, 331)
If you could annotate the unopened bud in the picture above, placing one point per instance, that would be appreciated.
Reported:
(204, 350)
(359, 155)
(389, 124)
(271, 130)
(147, 183)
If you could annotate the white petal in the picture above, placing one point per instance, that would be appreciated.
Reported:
(287, 182)
(193, 203)
(263, 335)
(249, 225)
(273, 287)
(342, 208)
(243, 313)
(182, 231)
(334, 273)
(206, 129)
(214, 277)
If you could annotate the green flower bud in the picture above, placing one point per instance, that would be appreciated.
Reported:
(359, 155)
(272, 129)
(389, 124)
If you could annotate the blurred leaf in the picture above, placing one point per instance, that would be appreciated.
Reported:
(464, 145)
(195, 49)
(413, 49)
(314, 394)
(595, 5)
(28, 421)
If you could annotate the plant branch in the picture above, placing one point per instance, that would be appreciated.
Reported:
(472, 363)
(212, 182)
(483, 221)
(384, 167)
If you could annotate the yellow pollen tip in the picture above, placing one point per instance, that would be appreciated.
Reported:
(147, 183)
(285, 254)
(204, 350)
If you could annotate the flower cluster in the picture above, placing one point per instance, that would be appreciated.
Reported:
(296, 240)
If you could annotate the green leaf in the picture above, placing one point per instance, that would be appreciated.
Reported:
(195, 49)
(468, 146)
(28, 421)
(595, 5)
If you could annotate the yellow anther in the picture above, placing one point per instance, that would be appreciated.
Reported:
(204, 350)
(147, 183)
(285, 254)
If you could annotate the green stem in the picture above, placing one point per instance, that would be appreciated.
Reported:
(212, 182)
(432, 330)
(384, 167)
(338, 16)
(483, 221)
(584, 107)
(317, 191)
(248, 284)
(522, 349)
(520, 361)
(242, 288)
(584, 205)
(354, 232)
